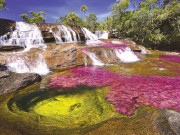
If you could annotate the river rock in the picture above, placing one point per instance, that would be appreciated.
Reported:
(61, 57)
(10, 81)
(169, 122)
(10, 48)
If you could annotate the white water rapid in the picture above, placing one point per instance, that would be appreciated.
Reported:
(95, 60)
(28, 36)
(89, 35)
(101, 34)
(26, 63)
(25, 35)
(126, 55)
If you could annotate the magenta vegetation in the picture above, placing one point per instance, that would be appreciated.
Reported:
(170, 58)
(126, 92)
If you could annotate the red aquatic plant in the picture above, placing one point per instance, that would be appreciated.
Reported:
(126, 92)
(171, 58)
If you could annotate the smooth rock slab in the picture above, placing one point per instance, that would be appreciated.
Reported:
(10, 81)
(169, 122)
(173, 120)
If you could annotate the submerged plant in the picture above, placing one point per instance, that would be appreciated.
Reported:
(126, 92)
(170, 58)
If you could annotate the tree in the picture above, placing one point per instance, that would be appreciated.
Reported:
(152, 23)
(108, 22)
(37, 18)
(91, 21)
(2, 4)
(71, 19)
(60, 20)
(84, 9)
(101, 26)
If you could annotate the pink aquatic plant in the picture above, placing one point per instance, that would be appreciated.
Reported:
(171, 58)
(126, 92)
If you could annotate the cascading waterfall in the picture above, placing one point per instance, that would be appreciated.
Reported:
(64, 32)
(26, 63)
(101, 34)
(57, 38)
(29, 36)
(126, 55)
(74, 35)
(26, 35)
(105, 55)
(89, 35)
(95, 60)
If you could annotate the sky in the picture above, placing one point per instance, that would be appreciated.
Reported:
(56, 8)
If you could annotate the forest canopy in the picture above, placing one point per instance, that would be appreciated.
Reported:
(151, 22)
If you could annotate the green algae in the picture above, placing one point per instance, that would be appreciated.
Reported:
(151, 65)
(81, 108)
(77, 111)
(36, 111)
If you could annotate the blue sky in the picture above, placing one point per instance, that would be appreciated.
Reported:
(56, 8)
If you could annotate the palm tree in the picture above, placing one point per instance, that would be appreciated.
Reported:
(84, 9)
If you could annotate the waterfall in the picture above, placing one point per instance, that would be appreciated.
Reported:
(57, 38)
(25, 34)
(89, 35)
(74, 34)
(26, 63)
(101, 34)
(105, 54)
(95, 60)
(126, 55)
(143, 50)
(85, 61)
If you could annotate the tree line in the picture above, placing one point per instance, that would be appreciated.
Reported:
(152, 23)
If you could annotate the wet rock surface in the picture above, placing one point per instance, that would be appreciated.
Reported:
(48, 30)
(169, 122)
(6, 26)
(10, 48)
(10, 81)
(61, 57)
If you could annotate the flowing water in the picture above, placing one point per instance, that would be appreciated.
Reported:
(126, 55)
(27, 63)
(25, 35)
(117, 92)
(95, 60)
(102, 34)
(89, 36)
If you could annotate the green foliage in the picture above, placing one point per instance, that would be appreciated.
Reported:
(37, 18)
(102, 26)
(151, 23)
(2, 4)
(84, 9)
(91, 21)
(71, 19)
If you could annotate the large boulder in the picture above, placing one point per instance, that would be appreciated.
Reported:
(10, 81)
(169, 122)
(61, 56)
